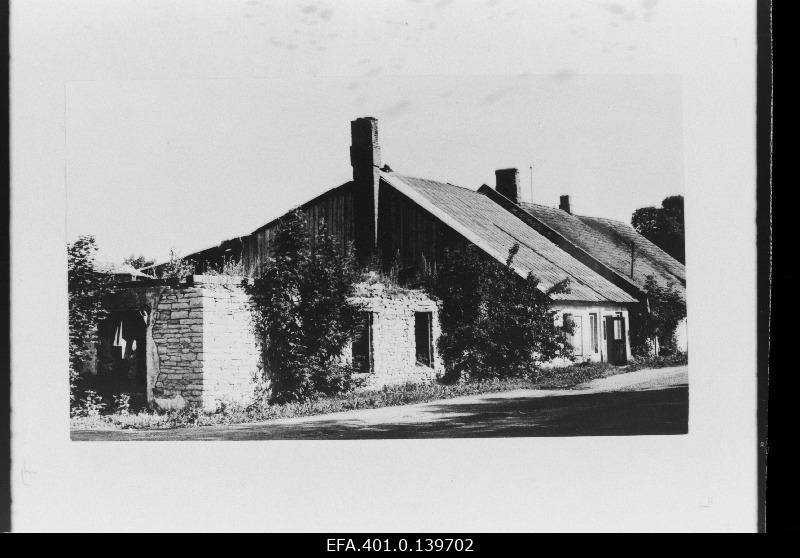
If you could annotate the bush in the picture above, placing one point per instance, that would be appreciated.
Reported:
(176, 267)
(230, 267)
(122, 403)
(91, 405)
(302, 312)
(495, 324)
(86, 289)
(665, 309)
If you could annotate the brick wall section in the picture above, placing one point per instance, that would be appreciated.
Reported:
(206, 345)
(393, 336)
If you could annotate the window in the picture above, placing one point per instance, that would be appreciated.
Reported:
(422, 337)
(362, 343)
(593, 332)
(618, 326)
(576, 338)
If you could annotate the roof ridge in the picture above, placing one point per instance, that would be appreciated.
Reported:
(603, 219)
(402, 175)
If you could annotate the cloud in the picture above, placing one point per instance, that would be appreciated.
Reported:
(326, 14)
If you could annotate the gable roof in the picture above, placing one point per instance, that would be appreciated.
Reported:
(494, 230)
(609, 241)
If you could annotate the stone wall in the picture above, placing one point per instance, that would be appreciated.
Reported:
(202, 347)
(393, 334)
(205, 342)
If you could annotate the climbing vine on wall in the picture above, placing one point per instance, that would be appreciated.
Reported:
(495, 323)
(302, 313)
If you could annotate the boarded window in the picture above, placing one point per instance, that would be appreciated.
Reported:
(593, 332)
(362, 343)
(422, 337)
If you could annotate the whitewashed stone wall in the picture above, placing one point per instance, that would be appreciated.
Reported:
(206, 345)
(682, 336)
(393, 334)
(231, 355)
(583, 350)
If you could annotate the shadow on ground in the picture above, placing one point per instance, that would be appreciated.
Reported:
(660, 411)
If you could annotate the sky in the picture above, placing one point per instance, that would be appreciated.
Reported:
(188, 123)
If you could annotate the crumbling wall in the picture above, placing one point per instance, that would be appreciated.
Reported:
(393, 334)
(205, 342)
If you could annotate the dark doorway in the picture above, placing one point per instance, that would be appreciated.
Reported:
(615, 336)
(122, 365)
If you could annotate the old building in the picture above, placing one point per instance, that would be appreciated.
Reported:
(197, 339)
(611, 248)
(410, 221)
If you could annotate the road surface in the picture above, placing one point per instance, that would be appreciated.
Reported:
(642, 402)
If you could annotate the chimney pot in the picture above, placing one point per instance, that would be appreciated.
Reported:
(507, 183)
(564, 204)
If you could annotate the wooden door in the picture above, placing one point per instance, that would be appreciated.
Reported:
(615, 339)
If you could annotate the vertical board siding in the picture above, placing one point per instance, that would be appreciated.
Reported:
(334, 207)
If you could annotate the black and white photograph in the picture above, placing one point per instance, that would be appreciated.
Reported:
(412, 240)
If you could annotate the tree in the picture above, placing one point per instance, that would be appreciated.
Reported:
(302, 311)
(659, 320)
(86, 289)
(495, 324)
(663, 226)
(138, 262)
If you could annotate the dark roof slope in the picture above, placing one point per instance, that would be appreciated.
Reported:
(495, 231)
(609, 241)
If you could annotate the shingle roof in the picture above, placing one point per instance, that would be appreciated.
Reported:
(495, 231)
(609, 242)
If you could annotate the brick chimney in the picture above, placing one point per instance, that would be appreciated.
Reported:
(507, 183)
(564, 204)
(365, 157)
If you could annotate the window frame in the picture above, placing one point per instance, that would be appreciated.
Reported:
(370, 352)
(428, 337)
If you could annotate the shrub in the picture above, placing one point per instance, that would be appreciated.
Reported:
(666, 310)
(302, 313)
(230, 267)
(86, 289)
(495, 324)
(122, 403)
(91, 405)
(176, 267)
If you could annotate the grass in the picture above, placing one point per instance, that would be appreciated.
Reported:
(404, 394)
